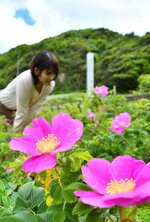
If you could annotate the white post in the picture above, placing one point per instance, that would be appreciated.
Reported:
(114, 90)
(90, 72)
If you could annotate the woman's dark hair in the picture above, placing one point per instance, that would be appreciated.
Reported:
(45, 60)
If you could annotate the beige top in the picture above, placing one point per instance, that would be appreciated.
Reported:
(21, 95)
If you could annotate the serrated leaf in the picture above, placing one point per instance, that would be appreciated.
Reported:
(20, 205)
(45, 217)
(93, 216)
(42, 207)
(12, 185)
(2, 186)
(81, 209)
(77, 186)
(54, 209)
(69, 196)
(36, 196)
(59, 217)
(25, 190)
(10, 219)
(28, 217)
(56, 193)
(6, 201)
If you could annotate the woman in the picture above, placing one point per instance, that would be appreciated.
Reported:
(21, 99)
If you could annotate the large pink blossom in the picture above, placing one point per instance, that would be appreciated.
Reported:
(124, 182)
(42, 141)
(120, 122)
(101, 90)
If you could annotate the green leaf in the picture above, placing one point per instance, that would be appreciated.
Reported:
(45, 217)
(56, 193)
(69, 216)
(28, 217)
(12, 185)
(20, 205)
(6, 201)
(54, 208)
(70, 177)
(77, 186)
(36, 196)
(25, 190)
(69, 196)
(17, 171)
(93, 216)
(81, 209)
(2, 186)
(83, 155)
(59, 217)
(42, 207)
(10, 219)
(75, 163)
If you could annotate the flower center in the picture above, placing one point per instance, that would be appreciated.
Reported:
(47, 143)
(121, 186)
(122, 124)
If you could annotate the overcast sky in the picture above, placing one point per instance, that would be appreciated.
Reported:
(30, 21)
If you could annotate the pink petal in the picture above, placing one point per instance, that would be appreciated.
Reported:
(124, 117)
(124, 167)
(68, 130)
(9, 170)
(24, 145)
(144, 175)
(102, 90)
(43, 125)
(38, 164)
(96, 90)
(91, 115)
(119, 130)
(97, 174)
(115, 124)
(34, 134)
(91, 198)
(139, 195)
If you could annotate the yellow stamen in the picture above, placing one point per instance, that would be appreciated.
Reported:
(121, 186)
(47, 144)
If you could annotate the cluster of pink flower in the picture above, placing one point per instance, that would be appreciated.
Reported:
(120, 122)
(123, 182)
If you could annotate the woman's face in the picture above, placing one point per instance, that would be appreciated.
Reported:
(46, 77)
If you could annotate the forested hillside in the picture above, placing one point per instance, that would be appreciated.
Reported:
(119, 59)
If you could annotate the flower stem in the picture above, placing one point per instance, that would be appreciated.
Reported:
(128, 214)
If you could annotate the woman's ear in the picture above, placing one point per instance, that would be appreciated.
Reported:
(36, 71)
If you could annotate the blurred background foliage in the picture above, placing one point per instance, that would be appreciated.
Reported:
(119, 59)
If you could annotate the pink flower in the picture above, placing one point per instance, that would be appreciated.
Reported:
(102, 90)
(124, 182)
(120, 123)
(91, 115)
(43, 141)
(9, 170)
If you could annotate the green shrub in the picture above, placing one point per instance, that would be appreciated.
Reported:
(144, 83)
